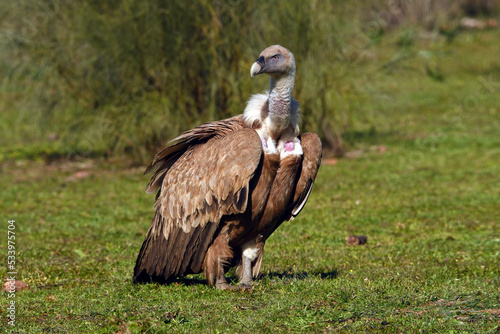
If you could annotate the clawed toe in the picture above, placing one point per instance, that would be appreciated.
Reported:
(241, 286)
(224, 286)
(244, 286)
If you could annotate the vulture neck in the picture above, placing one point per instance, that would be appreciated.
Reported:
(280, 99)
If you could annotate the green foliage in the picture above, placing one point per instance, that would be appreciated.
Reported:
(96, 78)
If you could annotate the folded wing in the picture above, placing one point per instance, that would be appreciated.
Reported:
(204, 175)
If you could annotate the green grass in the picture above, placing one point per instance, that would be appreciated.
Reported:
(420, 181)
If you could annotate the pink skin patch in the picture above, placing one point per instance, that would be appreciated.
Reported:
(289, 146)
(264, 143)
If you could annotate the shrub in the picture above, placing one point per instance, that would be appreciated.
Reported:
(95, 77)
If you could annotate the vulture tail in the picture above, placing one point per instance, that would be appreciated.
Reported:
(161, 260)
(143, 262)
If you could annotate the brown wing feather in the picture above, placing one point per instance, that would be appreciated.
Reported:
(312, 148)
(164, 159)
(208, 179)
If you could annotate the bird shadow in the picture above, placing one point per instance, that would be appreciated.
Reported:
(285, 275)
(187, 281)
(301, 275)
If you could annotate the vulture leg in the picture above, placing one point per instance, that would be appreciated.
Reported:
(252, 255)
(246, 277)
(221, 282)
(216, 260)
(282, 191)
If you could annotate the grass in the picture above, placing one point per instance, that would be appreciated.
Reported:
(420, 180)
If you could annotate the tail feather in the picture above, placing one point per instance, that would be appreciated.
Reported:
(162, 260)
(143, 264)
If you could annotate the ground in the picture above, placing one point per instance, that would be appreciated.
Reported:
(421, 183)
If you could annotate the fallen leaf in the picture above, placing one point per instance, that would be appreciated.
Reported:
(78, 175)
(14, 286)
(332, 161)
(352, 240)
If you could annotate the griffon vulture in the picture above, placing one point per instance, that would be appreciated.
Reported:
(225, 186)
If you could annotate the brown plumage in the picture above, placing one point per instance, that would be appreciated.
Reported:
(225, 186)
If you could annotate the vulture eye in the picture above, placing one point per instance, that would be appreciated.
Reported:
(276, 57)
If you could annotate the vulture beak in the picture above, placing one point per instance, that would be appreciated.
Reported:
(257, 67)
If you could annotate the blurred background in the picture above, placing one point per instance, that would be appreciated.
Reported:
(122, 77)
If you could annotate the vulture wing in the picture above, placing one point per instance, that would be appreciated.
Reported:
(312, 148)
(210, 180)
(166, 157)
(204, 175)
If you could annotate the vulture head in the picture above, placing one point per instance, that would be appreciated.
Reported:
(277, 61)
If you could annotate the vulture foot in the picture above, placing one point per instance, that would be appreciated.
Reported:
(226, 286)
(245, 286)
